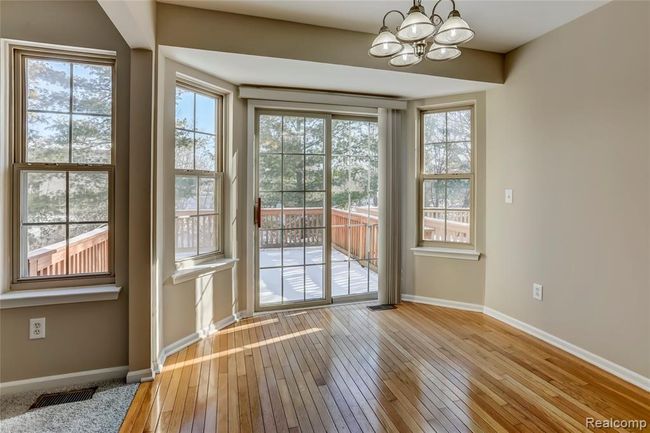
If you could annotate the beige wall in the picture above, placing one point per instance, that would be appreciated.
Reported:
(569, 133)
(189, 307)
(221, 31)
(434, 277)
(194, 305)
(140, 209)
(89, 335)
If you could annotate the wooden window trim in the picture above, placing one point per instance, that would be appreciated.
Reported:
(471, 176)
(18, 140)
(218, 175)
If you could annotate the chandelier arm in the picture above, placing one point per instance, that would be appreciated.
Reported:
(439, 19)
(453, 6)
(388, 13)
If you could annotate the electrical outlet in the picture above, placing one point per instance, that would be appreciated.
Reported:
(537, 291)
(508, 196)
(37, 328)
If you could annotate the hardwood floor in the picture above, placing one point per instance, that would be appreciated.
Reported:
(345, 369)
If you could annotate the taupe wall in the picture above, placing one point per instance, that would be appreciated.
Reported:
(233, 33)
(435, 277)
(569, 133)
(89, 335)
(140, 209)
(191, 306)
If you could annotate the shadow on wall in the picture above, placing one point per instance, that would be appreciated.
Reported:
(196, 306)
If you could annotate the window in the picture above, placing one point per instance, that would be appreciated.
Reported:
(197, 173)
(63, 165)
(446, 177)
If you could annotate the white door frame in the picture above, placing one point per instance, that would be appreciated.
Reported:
(253, 105)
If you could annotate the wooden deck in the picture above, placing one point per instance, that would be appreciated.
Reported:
(345, 369)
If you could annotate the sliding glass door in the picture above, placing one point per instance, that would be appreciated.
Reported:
(355, 206)
(316, 213)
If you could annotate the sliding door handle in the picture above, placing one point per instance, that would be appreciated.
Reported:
(257, 213)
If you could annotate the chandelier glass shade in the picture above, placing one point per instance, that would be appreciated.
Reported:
(418, 36)
(454, 31)
(385, 44)
(406, 57)
(415, 27)
(442, 52)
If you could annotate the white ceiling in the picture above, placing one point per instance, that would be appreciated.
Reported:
(245, 69)
(500, 25)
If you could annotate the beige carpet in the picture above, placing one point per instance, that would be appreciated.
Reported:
(103, 413)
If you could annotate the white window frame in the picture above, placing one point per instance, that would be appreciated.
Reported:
(422, 177)
(17, 141)
(217, 175)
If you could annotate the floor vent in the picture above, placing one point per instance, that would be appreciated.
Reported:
(63, 397)
(382, 307)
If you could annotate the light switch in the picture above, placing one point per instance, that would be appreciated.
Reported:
(508, 196)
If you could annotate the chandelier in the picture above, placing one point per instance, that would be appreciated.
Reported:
(419, 36)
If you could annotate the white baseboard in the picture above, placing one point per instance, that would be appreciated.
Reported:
(138, 376)
(600, 362)
(67, 379)
(442, 303)
(182, 343)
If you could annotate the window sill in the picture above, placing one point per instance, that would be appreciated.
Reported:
(447, 253)
(199, 270)
(69, 295)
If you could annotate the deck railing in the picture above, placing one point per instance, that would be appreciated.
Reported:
(88, 254)
(355, 231)
(352, 231)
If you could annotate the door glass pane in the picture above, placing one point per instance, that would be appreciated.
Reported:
(293, 134)
(271, 248)
(270, 134)
(315, 209)
(340, 278)
(315, 173)
(271, 210)
(315, 282)
(293, 281)
(293, 209)
(314, 135)
(293, 248)
(270, 286)
(293, 172)
(359, 274)
(315, 246)
(270, 173)
(355, 201)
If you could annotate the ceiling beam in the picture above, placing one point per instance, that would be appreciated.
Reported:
(233, 33)
(135, 20)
